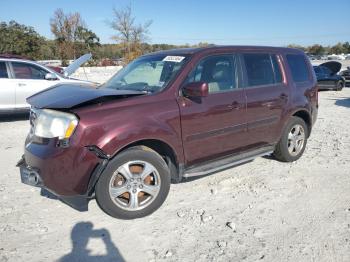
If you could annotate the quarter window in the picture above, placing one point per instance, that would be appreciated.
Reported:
(217, 71)
(276, 69)
(28, 71)
(298, 68)
(3, 70)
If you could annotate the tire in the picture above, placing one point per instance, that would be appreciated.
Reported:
(290, 139)
(125, 179)
(339, 85)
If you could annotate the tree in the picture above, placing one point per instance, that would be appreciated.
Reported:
(65, 28)
(86, 42)
(129, 34)
(48, 50)
(20, 40)
(338, 49)
(296, 47)
(346, 47)
(316, 49)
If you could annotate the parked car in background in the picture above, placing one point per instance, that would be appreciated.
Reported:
(20, 79)
(57, 69)
(346, 75)
(327, 76)
(336, 57)
(167, 116)
(314, 57)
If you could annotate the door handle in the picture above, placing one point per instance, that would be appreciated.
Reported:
(22, 84)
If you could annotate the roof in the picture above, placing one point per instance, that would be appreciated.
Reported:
(190, 51)
(17, 60)
(217, 48)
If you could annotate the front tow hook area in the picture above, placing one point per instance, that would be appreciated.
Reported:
(30, 177)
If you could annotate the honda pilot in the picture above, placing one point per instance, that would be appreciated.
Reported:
(166, 117)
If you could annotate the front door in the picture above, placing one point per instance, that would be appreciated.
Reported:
(29, 79)
(214, 125)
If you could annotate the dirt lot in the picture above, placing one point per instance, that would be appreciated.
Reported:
(261, 211)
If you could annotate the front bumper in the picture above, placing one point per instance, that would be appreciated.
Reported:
(30, 176)
(68, 174)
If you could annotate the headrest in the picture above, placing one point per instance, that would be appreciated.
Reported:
(221, 73)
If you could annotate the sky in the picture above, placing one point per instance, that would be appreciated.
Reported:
(248, 22)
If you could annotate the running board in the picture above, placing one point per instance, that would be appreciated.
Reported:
(224, 163)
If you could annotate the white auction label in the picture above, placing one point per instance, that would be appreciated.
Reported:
(176, 59)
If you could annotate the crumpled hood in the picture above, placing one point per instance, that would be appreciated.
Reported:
(333, 66)
(71, 95)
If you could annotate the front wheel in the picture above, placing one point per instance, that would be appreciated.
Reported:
(135, 184)
(293, 141)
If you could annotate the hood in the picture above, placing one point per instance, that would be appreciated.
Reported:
(76, 64)
(66, 96)
(333, 66)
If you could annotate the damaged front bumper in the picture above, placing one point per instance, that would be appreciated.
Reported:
(36, 177)
(31, 177)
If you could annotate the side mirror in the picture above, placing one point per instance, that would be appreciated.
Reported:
(196, 89)
(51, 76)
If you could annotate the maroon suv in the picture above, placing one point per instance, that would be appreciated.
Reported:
(165, 117)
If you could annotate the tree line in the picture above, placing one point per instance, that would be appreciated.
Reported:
(72, 38)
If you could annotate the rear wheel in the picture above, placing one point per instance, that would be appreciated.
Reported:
(293, 141)
(339, 85)
(134, 184)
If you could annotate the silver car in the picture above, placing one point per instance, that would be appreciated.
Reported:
(20, 79)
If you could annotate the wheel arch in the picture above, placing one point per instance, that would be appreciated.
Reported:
(163, 149)
(304, 115)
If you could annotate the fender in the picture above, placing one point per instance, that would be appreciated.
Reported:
(292, 112)
(118, 139)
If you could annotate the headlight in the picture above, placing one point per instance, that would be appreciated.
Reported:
(51, 123)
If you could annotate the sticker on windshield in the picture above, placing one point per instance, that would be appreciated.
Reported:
(176, 59)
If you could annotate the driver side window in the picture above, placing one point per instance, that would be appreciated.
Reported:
(28, 71)
(218, 71)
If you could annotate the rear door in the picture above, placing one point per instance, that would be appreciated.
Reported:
(29, 79)
(215, 125)
(7, 88)
(267, 96)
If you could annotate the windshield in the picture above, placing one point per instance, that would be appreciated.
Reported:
(149, 74)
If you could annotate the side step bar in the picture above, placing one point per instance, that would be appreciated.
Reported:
(230, 161)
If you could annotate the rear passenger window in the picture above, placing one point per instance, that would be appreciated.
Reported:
(298, 67)
(217, 71)
(3, 70)
(262, 69)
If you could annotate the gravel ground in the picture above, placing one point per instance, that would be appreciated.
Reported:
(261, 211)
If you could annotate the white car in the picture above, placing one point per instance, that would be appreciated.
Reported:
(20, 79)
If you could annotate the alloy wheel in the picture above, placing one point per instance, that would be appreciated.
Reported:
(134, 185)
(296, 140)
